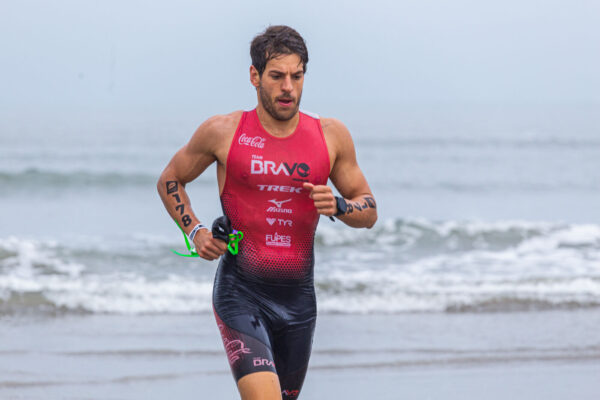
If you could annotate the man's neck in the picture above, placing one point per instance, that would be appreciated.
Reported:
(276, 127)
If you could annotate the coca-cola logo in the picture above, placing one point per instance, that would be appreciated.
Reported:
(256, 141)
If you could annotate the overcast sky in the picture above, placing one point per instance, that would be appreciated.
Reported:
(191, 57)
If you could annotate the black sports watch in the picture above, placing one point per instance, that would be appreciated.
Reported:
(341, 205)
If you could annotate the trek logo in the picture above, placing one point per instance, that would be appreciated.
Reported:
(259, 362)
(277, 240)
(290, 392)
(277, 208)
(284, 222)
(263, 167)
(256, 141)
(277, 188)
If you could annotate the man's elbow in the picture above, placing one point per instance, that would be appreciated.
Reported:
(160, 183)
(372, 221)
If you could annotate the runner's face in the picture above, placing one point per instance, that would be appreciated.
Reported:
(280, 87)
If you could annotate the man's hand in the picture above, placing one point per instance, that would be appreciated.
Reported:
(207, 246)
(323, 197)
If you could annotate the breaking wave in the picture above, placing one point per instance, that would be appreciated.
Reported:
(400, 266)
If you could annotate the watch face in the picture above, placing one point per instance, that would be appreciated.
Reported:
(341, 205)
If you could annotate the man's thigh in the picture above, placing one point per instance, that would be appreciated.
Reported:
(260, 386)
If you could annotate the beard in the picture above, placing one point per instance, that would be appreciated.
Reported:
(270, 106)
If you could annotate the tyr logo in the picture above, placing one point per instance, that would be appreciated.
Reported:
(281, 222)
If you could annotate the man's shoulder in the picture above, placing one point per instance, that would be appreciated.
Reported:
(337, 136)
(334, 128)
(215, 132)
(223, 123)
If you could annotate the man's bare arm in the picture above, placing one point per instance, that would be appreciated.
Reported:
(349, 181)
(185, 166)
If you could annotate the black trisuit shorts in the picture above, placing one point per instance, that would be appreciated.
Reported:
(265, 326)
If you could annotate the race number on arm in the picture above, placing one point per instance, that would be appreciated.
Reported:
(185, 166)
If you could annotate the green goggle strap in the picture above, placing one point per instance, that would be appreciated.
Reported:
(191, 249)
(234, 239)
(232, 246)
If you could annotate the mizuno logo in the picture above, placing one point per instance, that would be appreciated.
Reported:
(278, 204)
(277, 207)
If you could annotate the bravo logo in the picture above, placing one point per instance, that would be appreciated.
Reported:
(264, 167)
(259, 362)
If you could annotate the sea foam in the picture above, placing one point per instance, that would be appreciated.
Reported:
(402, 265)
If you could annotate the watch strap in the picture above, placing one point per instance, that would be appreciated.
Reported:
(192, 234)
(340, 200)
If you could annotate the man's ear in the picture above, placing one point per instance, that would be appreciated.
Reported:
(254, 77)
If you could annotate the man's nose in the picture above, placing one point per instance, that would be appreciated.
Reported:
(286, 85)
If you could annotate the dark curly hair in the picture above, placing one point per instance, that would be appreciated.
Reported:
(275, 41)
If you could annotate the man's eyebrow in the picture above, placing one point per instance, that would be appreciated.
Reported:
(275, 71)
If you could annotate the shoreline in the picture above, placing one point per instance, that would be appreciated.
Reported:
(451, 356)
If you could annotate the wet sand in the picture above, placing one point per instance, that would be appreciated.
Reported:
(526, 355)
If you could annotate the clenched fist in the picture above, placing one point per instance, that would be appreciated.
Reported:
(323, 197)
(207, 246)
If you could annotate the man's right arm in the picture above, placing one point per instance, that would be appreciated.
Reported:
(185, 166)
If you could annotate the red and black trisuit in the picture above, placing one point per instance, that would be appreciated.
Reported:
(264, 297)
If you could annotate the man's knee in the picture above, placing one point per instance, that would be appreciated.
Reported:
(260, 386)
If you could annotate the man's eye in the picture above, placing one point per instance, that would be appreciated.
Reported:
(297, 77)
(275, 76)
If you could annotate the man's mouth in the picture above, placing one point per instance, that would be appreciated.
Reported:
(285, 102)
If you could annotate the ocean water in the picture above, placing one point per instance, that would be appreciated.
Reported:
(491, 238)
(466, 224)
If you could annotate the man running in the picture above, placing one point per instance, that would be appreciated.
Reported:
(272, 168)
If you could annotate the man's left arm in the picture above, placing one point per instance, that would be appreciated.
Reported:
(346, 176)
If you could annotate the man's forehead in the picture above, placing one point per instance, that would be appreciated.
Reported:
(285, 62)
